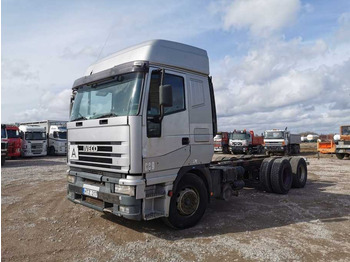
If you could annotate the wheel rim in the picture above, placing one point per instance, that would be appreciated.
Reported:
(302, 173)
(187, 202)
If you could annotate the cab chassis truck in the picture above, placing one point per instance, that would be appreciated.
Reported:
(140, 139)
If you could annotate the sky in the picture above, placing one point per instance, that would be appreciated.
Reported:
(274, 63)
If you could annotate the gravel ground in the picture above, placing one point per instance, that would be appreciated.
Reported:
(312, 224)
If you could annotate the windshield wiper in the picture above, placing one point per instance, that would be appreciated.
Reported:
(79, 118)
(104, 115)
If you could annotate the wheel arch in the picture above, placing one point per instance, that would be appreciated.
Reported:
(202, 171)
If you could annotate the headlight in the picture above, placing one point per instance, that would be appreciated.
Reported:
(71, 179)
(125, 190)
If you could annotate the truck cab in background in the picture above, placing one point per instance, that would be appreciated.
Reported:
(221, 142)
(4, 144)
(14, 141)
(33, 140)
(243, 142)
(342, 147)
(56, 134)
(281, 142)
(57, 140)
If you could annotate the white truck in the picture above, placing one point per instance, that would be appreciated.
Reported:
(140, 139)
(4, 144)
(33, 141)
(56, 134)
(278, 141)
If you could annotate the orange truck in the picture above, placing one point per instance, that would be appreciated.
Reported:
(342, 148)
(326, 144)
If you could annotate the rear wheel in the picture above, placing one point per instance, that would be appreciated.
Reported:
(188, 203)
(264, 174)
(281, 176)
(299, 171)
(340, 156)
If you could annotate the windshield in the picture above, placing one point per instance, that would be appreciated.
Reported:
(217, 137)
(274, 134)
(3, 133)
(239, 136)
(62, 135)
(119, 97)
(35, 136)
(345, 130)
(12, 133)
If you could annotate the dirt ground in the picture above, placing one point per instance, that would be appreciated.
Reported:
(38, 223)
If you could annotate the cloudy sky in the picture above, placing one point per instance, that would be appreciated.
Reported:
(274, 63)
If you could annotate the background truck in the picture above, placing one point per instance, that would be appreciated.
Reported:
(4, 144)
(221, 142)
(56, 133)
(281, 142)
(14, 141)
(33, 140)
(326, 144)
(342, 147)
(141, 133)
(243, 142)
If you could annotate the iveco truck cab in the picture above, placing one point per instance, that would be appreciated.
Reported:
(140, 137)
(33, 141)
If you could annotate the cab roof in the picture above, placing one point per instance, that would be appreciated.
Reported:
(157, 52)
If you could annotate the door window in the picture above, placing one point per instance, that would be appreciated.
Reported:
(178, 88)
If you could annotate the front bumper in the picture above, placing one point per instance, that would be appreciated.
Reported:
(106, 201)
(275, 148)
(217, 149)
(239, 149)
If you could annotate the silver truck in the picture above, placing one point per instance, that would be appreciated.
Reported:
(278, 141)
(56, 135)
(4, 144)
(140, 139)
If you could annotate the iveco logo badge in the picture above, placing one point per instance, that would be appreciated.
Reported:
(90, 148)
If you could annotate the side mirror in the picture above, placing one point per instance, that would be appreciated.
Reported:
(165, 96)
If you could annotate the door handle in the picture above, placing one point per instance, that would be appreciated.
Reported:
(185, 140)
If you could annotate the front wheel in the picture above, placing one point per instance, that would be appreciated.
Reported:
(188, 203)
(2, 160)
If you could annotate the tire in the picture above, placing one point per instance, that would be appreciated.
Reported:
(2, 160)
(340, 156)
(281, 176)
(181, 213)
(51, 151)
(264, 174)
(299, 172)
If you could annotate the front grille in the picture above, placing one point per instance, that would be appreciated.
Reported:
(95, 159)
(346, 142)
(102, 155)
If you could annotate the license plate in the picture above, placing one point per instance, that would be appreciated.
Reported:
(90, 190)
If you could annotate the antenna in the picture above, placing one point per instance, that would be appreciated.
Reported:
(103, 47)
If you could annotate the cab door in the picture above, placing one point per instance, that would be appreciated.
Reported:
(166, 142)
